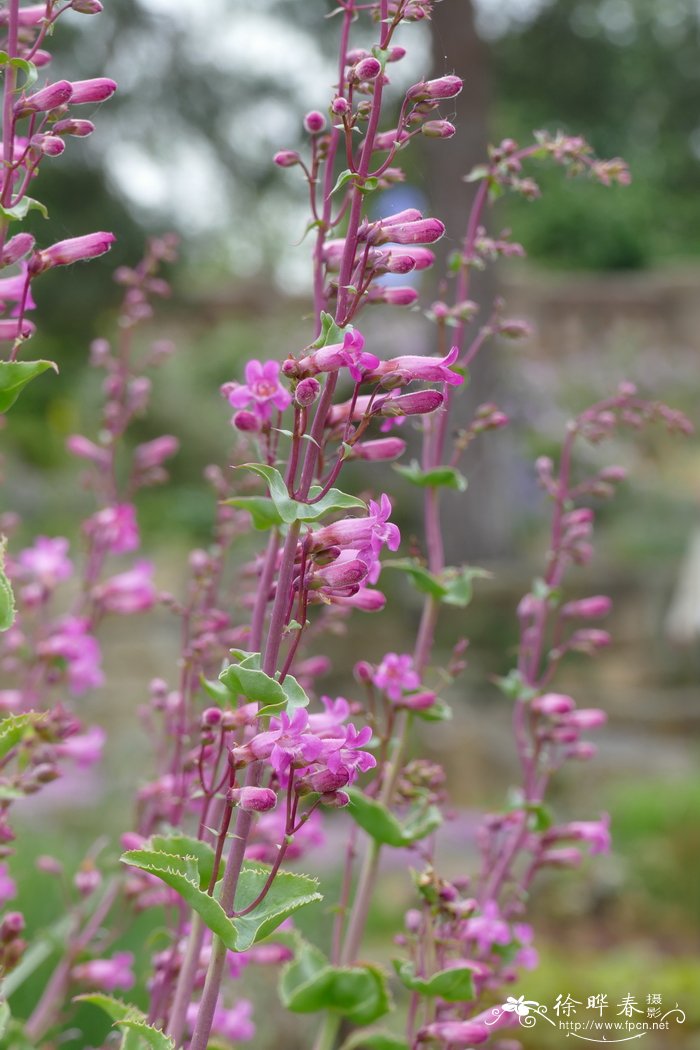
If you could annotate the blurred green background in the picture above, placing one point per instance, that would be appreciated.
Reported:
(611, 285)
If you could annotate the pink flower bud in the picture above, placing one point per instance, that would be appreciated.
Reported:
(69, 126)
(582, 751)
(50, 145)
(286, 158)
(75, 249)
(307, 392)
(42, 58)
(589, 639)
(340, 106)
(443, 87)
(588, 608)
(553, 704)
(11, 330)
(438, 129)
(82, 447)
(587, 718)
(314, 122)
(86, 880)
(580, 516)
(96, 90)
(254, 799)
(421, 231)
(364, 672)
(613, 474)
(153, 453)
(396, 54)
(416, 404)
(392, 296)
(417, 701)
(515, 329)
(87, 7)
(379, 450)
(211, 717)
(455, 1033)
(246, 421)
(566, 857)
(18, 246)
(368, 69)
(47, 98)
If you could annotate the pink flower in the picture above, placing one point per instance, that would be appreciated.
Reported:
(372, 531)
(47, 98)
(345, 758)
(114, 529)
(395, 675)
(86, 449)
(96, 90)
(75, 249)
(286, 743)
(419, 403)
(594, 832)
(329, 358)
(152, 454)
(365, 599)
(72, 643)
(85, 749)
(380, 449)
(420, 231)
(234, 1024)
(255, 799)
(11, 330)
(107, 974)
(442, 87)
(429, 369)
(12, 290)
(46, 562)
(391, 295)
(262, 388)
(588, 608)
(456, 1034)
(128, 592)
(8, 887)
(488, 928)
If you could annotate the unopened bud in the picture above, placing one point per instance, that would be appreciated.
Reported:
(438, 129)
(314, 122)
(368, 69)
(286, 158)
(307, 392)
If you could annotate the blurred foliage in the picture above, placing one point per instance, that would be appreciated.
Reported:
(626, 76)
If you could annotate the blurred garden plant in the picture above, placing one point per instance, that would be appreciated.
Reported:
(249, 761)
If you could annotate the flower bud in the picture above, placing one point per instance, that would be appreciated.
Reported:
(382, 449)
(443, 87)
(566, 857)
(11, 926)
(364, 672)
(16, 247)
(307, 392)
(11, 330)
(392, 296)
(314, 122)
(211, 717)
(50, 145)
(87, 7)
(553, 704)
(438, 129)
(253, 799)
(368, 69)
(286, 158)
(87, 879)
(47, 98)
(588, 608)
(515, 329)
(416, 404)
(613, 473)
(396, 54)
(589, 639)
(340, 106)
(95, 90)
(420, 231)
(246, 421)
(153, 453)
(587, 718)
(69, 126)
(75, 249)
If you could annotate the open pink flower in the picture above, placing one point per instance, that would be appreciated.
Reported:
(72, 642)
(128, 592)
(262, 389)
(114, 529)
(46, 562)
(107, 974)
(395, 675)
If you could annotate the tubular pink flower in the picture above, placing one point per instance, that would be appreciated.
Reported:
(49, 145)
(18, 246)
(107, 974)
(71, 642)
(595, 832)
(8, 886)
(87, 7)
(262, 389)
(455, 1033)
(372, 531)
(330, 358)
(392, 296)
(47, 98)
(438, 129)
(553, 704)
(365, 599)
(286, 158)
(153, 453)
(340, 574)
(588, 608)
(587, 718)
(428, 369)
(75, 249)
(381, 449)
(81, 446)
(128, 592)
(69, 126)
(14, 289)
(420, 231)
(96, 90)
(254, 799)
(85, 749)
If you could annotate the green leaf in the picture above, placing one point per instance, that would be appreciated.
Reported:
(14, 728)
(310, 984)
(455, 985)
(262, 510)
(333, 500)
(477, 173)
(440, 711)
(330, 332)
(218, 691)
(458, 584)
(342, 180)
(440, 477)
(288, 510)
(187, 846)
(296, 697)
(423, 581)
(541, 815)
(286, 506)
(129, 1017)
(513, 686)
(7, 597)
(289, 891)
(256, 686)
(29, 69)
(383, 826)
(20, 210)
(374, 1039)
(14, 376)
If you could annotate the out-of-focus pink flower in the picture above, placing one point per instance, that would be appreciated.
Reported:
(234, 1024)
(12, 290)
(46, 562)
(8, 887)
(86, 449)
(152, 454)
(488, 928)
(455, 1033)
(429, 369)
(588, 608)
(114, 529)
(107, 974)
(85, 749)
(128, 592)
(11, 330)
(262, 389)
(594, 832)
(396, 675)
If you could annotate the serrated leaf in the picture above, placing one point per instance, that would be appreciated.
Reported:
(454, 985)
(14, 727)
(289, 892)
(147, 1035)
(310, 984)
(7, 597)
(21, 209)
(256, 686)
(14, 376)
(116, 1009)
(187, 846)
(286, 509)
(374, 1039)
(439, 477)
(374, 818)
(139, 1033)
